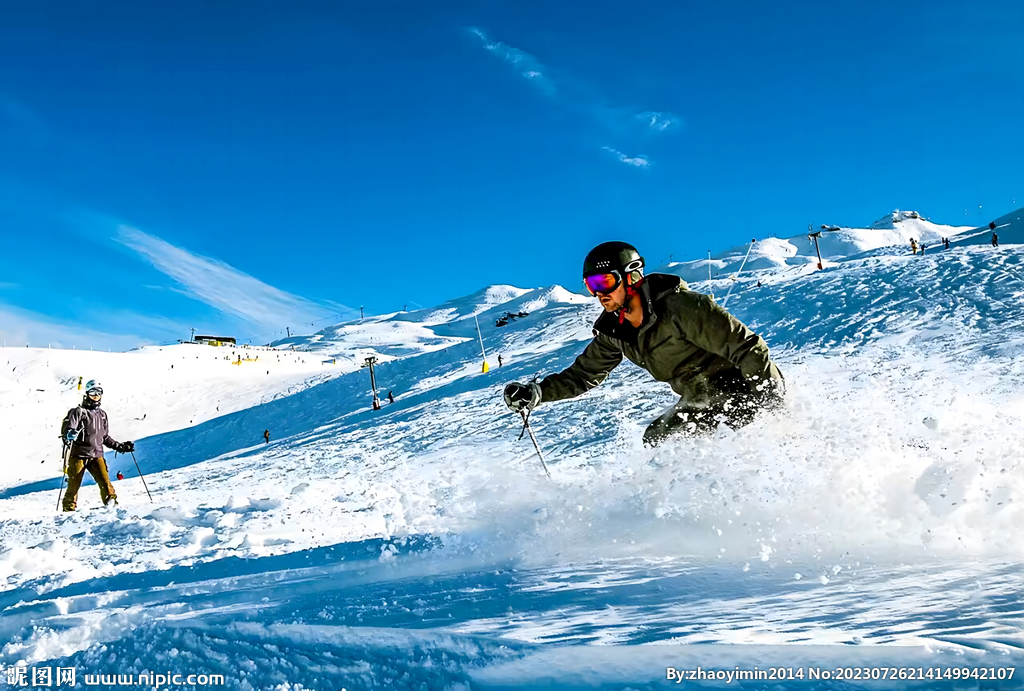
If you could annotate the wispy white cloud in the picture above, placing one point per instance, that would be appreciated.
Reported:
(617, 122)
(20, 327)
(635, 161)
(222, 286)
(529, 67)
(659, 122)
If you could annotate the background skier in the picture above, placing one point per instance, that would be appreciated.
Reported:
(86, 429)
(719, 368)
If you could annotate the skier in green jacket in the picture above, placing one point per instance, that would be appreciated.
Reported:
(719, 368)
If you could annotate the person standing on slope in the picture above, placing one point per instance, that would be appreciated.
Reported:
(266, 436)
(86, 429)
(718, 367)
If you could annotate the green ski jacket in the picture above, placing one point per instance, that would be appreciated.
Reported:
(686, 339)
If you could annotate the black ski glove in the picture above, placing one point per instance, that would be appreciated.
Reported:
(522, 396)
(126, 447)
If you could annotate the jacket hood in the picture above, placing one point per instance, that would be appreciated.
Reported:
(653, 289)
(660, 285)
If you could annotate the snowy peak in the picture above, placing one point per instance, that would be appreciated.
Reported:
(463, 307)
(890, 220)
(389, 337)
(534, 300)
(837, 244)
(497, 295)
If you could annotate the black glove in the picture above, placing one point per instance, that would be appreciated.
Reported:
(126, 447)
(522, 396)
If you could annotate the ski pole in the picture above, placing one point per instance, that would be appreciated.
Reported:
(67, 459)
(63, 474)
(526, 426)
(742, 264)
(141, 476)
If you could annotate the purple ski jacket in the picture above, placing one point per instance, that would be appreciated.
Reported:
(95, 432)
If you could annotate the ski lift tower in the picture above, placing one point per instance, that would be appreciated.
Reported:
(370, 361)
(814, 235)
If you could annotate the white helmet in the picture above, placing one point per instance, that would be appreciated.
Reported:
(93, 385)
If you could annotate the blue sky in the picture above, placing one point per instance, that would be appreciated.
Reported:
(241, 167)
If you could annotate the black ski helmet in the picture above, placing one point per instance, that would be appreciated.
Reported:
(615, 256)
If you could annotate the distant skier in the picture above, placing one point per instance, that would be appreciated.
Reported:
(923, 246)
(913, 246)
(391, 397)
(86, 430)
(499, 360)
(995, 240)
(945, 243)
(719, 368)
(266, 436)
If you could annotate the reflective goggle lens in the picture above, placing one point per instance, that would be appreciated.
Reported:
(602, 283)
(94, 393)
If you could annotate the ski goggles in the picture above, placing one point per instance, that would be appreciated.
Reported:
(603, 283)
(94, 393)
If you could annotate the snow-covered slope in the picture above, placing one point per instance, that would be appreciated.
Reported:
(424, 540)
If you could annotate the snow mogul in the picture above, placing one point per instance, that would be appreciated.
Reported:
(86, 431)
(719, 368)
